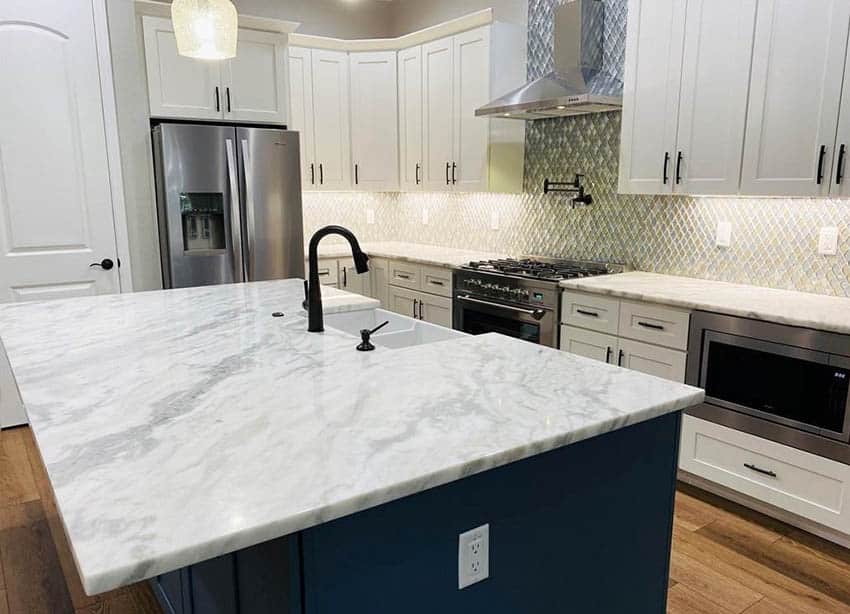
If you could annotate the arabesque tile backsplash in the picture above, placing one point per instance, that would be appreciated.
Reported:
(773, 240)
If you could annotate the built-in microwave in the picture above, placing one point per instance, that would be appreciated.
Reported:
(783, 383)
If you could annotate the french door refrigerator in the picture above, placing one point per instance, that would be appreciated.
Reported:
(228, 203)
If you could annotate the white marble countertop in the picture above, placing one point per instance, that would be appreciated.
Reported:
(821, 312)
(180, 425)
(414, 252)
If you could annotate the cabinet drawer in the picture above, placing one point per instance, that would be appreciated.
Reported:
(654, 324)
(653, 360)
(328, 271)
(590, 311)
(589, 344)
(801, 483)
(436, 280)
(405, 274)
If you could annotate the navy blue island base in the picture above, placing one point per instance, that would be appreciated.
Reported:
(583, 529)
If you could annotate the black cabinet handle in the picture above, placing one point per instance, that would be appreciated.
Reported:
(227, 95)
(620, 358)
(414, 307)
(454, 168)
(421, 304)
(652, 326)
(345, 276)
(417, 173)
(217, 100)
(312, 173)
(592, 314)
(767, 472)
(105, 264)
(679, 168)
(839, 168)
(356, 174)
(436, 282)
(321, 174)
(821, 156)
(448, 166)
(608, 353)
(664, 172)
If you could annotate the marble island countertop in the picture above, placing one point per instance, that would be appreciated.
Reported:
(414, 252)
(180, 425)
(817, 311)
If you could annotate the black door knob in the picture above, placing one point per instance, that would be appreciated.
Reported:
(105, 264)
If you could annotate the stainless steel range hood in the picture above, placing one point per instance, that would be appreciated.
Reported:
(579, 84)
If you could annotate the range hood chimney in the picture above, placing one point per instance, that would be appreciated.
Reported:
(579, 84)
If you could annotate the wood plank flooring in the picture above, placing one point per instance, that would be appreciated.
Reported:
(726, 559)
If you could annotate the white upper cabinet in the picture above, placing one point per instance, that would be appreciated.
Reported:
(410, 118)
(301, 111)
(178, 86)
(470, 163)
(331, 119)
(255, 80)
(838, 183)
(374, 134)
(713, 98)
(249, 88)
(798, 66)
(685, 95)
(438, 114)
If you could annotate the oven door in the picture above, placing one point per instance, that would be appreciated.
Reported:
(797, 387)
(482, 315)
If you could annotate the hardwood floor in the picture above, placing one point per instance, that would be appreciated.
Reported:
(726, 559)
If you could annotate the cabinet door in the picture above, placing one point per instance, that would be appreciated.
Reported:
(589, 344)
(403, 301)
(798, 66)
(351, 280)
(839, 182)
(471, 90)
(301, 111)
(331, 119)
(713, 101)
(379, 277)
(255, 80)
(437, 112)
(436, 309)
(410, 117)
(651, 359)
(178, 86)
(374, 134)
(654, 40)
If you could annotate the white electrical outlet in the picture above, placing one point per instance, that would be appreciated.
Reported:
(724, 234)
(370, 216)
(424, 217)
(473, 556)
(828, 241)
(494, 220)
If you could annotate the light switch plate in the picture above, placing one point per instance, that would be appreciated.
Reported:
(828, 241)
(370, 216)
(724, 234)
(424, 217)
(473, 556)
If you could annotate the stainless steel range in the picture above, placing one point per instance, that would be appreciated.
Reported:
(517, 297)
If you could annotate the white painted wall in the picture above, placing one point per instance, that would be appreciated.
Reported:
(410, 15)
(337, 18)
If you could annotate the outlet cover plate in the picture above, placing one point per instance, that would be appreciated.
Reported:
(724, 234)
(828, 241)
(473, 556)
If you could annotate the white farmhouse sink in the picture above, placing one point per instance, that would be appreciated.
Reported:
(401, 331)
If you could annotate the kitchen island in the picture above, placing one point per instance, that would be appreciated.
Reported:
(249, 466)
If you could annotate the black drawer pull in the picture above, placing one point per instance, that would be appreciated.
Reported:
(679, 168)
(608, 353)
(766, 472)
(652, 326)
(620, 357)
(402, 275)
(821, 155)
(666, 162)
(436, 283)
(583, 312)
(839, 168)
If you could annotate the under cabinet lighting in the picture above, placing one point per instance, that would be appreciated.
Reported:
(205, 29)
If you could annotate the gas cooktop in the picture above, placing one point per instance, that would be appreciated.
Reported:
(544, 269)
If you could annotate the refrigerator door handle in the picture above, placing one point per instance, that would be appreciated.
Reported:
(249, 210)
(235, 217)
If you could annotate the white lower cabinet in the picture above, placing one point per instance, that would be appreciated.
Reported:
(352, 281)
(435, 309)
(379, 275)
(589, 344)
(809, 486)
(328, 271)
(420, 291)
(404, 301)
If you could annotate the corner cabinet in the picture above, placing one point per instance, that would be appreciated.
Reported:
(249, 88)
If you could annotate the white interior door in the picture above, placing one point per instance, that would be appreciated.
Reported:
(654, 40)
(179, 87)
(331, 119)
(410, 117)
(56, 216)
(255, 80)
(471, 90)
(798, 66)
(374, 134)
(438, 114)
(713, 101)
(301, 111)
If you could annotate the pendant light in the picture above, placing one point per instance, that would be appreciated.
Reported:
(205, 29)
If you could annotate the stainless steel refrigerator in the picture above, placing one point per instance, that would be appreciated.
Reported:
(229, 204)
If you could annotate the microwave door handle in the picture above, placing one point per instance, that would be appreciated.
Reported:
(235, 217)
(248, 174)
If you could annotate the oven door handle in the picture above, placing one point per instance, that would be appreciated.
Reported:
(537, 314)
